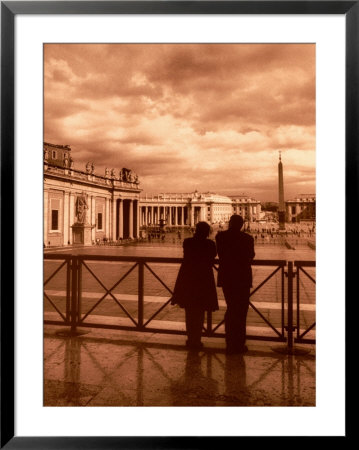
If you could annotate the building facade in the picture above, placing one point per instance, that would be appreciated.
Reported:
(184, 209)
(190, 208)
(247, 207)
(301, 208)
(81, 207)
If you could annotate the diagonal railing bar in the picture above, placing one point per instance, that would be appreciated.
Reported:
(56, 271)
(217, 326)
(308, 275)
(307, 330)
(108, 292)
(260, 314)
(119, 304)
(157, 312)
(265, 320)
(116, 284)
(265, 280)
(158, 278)
(53, 304)
(300, 268)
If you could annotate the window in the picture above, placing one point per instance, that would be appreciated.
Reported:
(55, 214)
(54, 219)
(99, 221)
(54, 154)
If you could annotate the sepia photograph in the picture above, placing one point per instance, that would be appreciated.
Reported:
(179, 202)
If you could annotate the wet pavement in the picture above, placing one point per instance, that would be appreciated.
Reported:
(117, 368)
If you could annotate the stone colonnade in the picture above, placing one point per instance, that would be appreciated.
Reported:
(171, 215)
(124, 219)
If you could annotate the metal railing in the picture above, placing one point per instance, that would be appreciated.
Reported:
(302, 271)
(80, 269)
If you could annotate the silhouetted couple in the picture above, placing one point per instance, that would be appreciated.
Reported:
(195, 288)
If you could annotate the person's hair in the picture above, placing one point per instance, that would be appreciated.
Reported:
(202, 230)
(236, 222)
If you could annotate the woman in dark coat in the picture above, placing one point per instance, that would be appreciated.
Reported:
(195, 288)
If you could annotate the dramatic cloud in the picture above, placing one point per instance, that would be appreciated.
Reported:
(210, 117)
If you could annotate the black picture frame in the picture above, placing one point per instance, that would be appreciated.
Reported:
(9, 10)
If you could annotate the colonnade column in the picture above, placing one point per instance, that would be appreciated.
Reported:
(93, 218)
(120, 219)
(107, 218)
(71, 216)
(113, 216)
(176, 215)
(138, 219)
(170, 215)
(130, 219)
(46, 215)
(192, 216)
(66, 218)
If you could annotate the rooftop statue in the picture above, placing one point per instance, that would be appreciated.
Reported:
(128, 175)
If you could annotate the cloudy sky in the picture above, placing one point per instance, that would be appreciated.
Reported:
(210, 117)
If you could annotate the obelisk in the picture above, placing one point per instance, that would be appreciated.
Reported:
(281, 207)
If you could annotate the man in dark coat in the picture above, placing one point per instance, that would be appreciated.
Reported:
(195, 288)
(236, 252)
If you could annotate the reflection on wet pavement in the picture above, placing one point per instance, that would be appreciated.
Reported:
(113, 369)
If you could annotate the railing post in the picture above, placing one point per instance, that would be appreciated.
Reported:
(141, 288)
(79, 290)
(68, 290)
(298, 302)
(74, 293)
(289, 349)
(290, 328)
